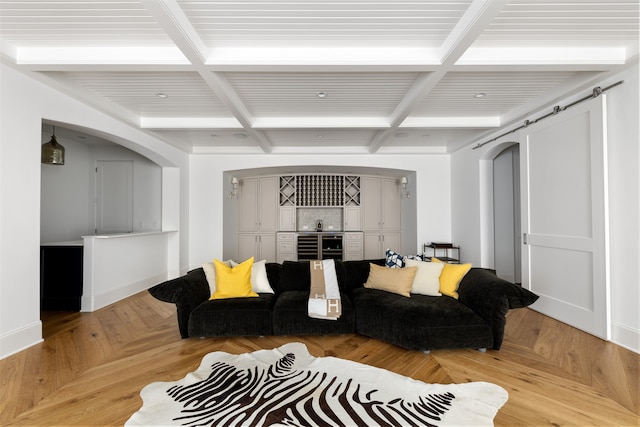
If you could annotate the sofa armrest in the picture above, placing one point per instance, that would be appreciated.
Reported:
(491, 297)
(186, 292)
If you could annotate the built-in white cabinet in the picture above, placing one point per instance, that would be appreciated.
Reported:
(375, 244)
(287, 219)
(270, 209)
(258, 218)
(257, 245)
(352, 220)
(353, 246)
(286, 249)
(381, 221)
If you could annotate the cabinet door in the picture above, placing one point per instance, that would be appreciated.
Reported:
(390, 241)
(268, 204)
(287, 218)
(353, 246)
(247, 246)
(371, 247)
(390, 204)
(248, 205)
(370, 204)
(352, 220)
(267, 247)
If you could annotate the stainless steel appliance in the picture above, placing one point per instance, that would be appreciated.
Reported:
(320, 246)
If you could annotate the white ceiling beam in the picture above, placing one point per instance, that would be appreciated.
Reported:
(178, 27)
(475, 19)
(451, 122)
(173, 20)
(189, 123)
(103, 55)
(543, 56)
(321, 122)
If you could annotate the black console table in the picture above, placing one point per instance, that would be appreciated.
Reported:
(61, 276)
(446, 252)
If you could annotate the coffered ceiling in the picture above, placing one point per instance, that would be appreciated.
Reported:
(320, 76)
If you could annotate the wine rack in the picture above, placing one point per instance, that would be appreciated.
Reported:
(319, 190)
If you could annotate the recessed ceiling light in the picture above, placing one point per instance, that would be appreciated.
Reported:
(213, 135)
(240, 135)
(320, 135)
(480, 95)
(162, 95)
(321, 94)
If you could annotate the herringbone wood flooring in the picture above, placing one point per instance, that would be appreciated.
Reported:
(92, 366)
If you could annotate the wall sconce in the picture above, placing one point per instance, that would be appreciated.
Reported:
(234, 183)
(404, 181)
(52, 153)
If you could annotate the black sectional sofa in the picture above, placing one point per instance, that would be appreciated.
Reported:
(475, 320)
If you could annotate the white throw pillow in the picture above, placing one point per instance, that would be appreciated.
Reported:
(210, 273)
(259, 280)
(427, 280)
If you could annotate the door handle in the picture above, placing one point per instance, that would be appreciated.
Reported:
(524, 238)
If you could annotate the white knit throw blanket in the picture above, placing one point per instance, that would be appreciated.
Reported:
(324, 297)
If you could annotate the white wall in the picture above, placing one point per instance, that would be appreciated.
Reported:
(147, 186)
(24, 103)
(209, 186)
(467, 168)
(66, 193)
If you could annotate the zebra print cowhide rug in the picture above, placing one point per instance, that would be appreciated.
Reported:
(289, 387)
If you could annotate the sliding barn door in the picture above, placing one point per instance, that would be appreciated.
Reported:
(564, 214)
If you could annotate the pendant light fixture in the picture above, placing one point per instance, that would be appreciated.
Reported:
(52, 153)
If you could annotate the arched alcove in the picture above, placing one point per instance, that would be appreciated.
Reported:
(408, 204)
(486, 190)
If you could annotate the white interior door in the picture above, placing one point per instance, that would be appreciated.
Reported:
(564, 211)
(114, 197)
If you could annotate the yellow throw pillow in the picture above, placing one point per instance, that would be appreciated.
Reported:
(396, 280)
(451, 277)
(233, 282)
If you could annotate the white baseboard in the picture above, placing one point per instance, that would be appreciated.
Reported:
(20, 339)
(95, 302)
(626, 337)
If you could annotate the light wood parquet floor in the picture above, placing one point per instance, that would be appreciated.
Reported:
(91, 367)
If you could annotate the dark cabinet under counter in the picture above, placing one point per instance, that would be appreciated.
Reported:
(61, 271)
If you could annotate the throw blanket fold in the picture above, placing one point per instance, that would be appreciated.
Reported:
(324, 298)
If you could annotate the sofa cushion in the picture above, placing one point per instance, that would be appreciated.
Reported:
(296, 276)
(396, 280)
(233, 317)
(393, 259)
(451, 276)
(291, 316)
(210, 272)
(427, 280)
(419, 323)
(259, 280)
(356, 272)
(233, 282)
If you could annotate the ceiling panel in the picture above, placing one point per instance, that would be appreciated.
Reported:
(79, 23)
(320, 137)
(347, 94)
(455, 94)
(324, 23)
(187, 95)
(565, 23)
(398, 76)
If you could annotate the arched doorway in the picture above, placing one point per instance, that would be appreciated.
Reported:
(506, 214)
